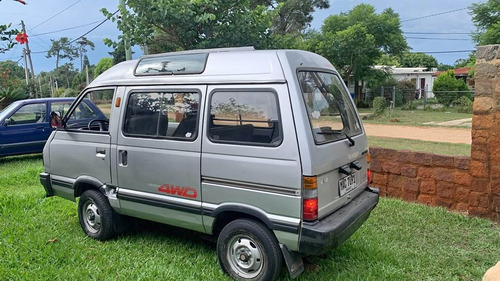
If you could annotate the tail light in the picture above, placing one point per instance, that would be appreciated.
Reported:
(368, 172)
(310, 198)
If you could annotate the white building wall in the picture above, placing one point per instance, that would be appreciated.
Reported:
(417, 73)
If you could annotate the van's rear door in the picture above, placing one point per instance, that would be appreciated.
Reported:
(336, 145)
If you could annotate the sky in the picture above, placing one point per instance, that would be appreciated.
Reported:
(46, 20)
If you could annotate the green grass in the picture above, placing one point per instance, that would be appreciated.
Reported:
(400, 241)
(414, 117)
(449, 149)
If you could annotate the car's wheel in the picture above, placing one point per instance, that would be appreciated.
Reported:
(96, 215)
(247, 250)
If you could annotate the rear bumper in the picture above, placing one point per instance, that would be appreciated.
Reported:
(320, 236)
(47, 185)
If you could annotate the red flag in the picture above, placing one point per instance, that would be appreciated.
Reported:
(21, 1)
(22, 38)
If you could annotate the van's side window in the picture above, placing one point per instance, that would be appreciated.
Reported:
(90, 114)
(162, 115)
(245, 117)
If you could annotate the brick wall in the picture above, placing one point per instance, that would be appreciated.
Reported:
(466, 184)
(426, 178)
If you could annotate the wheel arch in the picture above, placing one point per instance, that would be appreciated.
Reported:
(84, 183)
(228, 213)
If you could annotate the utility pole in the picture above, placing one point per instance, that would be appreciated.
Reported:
(26, 73)
(126, 41)
(87, 73)
(28, 52)
(51, 88)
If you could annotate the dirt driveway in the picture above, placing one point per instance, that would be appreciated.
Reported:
(438, 134)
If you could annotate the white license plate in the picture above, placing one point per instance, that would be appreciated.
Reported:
(347, 184)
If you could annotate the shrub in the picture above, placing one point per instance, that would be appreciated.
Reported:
(447, 88)
(463, 104)
(409, 106)
(363, 104)
(379, 105)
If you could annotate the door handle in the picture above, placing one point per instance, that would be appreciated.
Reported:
(122, 158)
(101, 153)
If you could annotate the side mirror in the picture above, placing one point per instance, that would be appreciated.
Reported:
(7, 122)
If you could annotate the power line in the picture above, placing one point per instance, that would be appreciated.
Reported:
(65, 29)
(57, 14)
(428, 38)
(442, 33)
(446, 52)
(433, 15)
(94, 28)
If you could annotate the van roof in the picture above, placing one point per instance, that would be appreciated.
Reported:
(210, 66)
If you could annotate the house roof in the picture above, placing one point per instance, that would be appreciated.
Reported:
(459, 72)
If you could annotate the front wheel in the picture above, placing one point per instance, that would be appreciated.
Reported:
(247, 250)
(96, 215)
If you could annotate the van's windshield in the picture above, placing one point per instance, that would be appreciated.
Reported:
(331, 112)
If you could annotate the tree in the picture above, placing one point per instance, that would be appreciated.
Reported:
(103, 65)
(62, 49)
(64, 75)
(447, 88)
(6, 35)
(486, 18)
(294, 16)
(418, 60)
(83, 43)
(118, 52)
(355, 40)
(182, 25)
(15, 69)
(174, 25)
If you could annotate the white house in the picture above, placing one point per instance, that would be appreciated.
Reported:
(421, 77)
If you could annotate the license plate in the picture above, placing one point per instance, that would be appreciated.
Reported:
(347, 184)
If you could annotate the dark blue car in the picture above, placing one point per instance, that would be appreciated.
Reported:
(26, 125)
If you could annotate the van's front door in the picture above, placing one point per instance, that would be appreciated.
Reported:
(159, 152)
(88, 144)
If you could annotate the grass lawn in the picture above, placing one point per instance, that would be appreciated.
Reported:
(449, 149)
(40, 239)
(414, 117)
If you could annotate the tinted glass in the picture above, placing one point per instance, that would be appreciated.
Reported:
(251, 117)
(331, 113)
(173, 64)
(172, 115)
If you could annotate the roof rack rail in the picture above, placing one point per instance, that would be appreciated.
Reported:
(202, 51)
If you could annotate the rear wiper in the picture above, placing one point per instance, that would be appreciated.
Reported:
(351, 141)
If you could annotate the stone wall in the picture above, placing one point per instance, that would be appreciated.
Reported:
(466, 184)
(431, 179)
(485, 150)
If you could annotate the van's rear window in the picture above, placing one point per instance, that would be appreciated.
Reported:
(329, 106)
(172, 64)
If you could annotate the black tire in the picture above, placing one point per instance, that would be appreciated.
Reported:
(96, 215)
(247, 250)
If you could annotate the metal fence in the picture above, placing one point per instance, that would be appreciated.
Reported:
(397, 97)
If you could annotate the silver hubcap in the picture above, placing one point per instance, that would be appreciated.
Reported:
(244, 256)
(91, 216)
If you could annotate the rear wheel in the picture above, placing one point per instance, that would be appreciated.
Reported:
(247, 250)
(96, 215)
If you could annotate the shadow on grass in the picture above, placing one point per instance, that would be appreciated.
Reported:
(139, 228)
(17, 158)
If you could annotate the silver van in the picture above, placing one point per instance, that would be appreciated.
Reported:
(264, 150)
